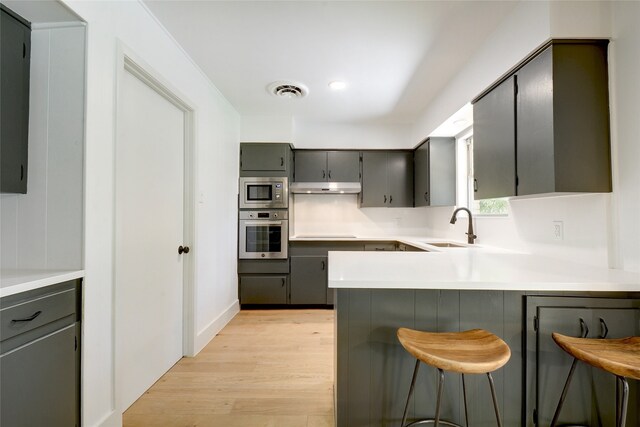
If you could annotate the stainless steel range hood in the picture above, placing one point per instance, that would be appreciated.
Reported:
(325, 187)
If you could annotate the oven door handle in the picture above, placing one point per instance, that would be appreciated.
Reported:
(262, 222)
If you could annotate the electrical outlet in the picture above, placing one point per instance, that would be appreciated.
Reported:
(558, 230)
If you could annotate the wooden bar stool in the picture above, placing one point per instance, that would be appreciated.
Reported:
(470, 352)
(620, 357)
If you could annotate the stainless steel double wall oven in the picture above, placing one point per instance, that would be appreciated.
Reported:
(263, 218)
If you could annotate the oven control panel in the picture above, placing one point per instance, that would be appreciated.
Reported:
(266, 214)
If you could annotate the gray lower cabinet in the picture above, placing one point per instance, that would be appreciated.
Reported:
(15, 54)
(387, 179)
(40, 357)
(591, 396)
(434, 170)
(327, 166)
(263, 289)
(265, 159)
(373, 371)
(308, 280)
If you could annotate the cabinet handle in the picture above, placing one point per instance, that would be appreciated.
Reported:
(475, 185)
(183, 249)
(24, 50)
(385, 198)
(329, 173)
(323, 175)
(390, 199)
(584, 329)
(28, 319)
(426, 197)
(281, 161)
(604, 330)
(283, 282)
(322, 265)
(21, 172)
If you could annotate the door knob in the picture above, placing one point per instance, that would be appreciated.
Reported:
(183, 249)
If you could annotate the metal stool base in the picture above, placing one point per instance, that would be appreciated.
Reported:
(437, 421)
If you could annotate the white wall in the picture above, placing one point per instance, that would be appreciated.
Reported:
(625, 92)
(309, 134)
(43, 228)
(216, 136)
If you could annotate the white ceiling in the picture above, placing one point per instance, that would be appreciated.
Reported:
(395, 55)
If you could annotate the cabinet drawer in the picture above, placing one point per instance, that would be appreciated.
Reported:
(23, 317)
(380, 246)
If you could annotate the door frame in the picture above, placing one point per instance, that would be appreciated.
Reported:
(128, 61)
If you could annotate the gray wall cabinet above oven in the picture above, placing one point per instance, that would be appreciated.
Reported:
(265, 159)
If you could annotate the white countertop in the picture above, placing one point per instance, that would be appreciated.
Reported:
(16, 281)
(474, 267)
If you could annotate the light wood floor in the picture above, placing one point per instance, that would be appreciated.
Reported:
(267, 368)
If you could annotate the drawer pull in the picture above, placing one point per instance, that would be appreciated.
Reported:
(28, 319)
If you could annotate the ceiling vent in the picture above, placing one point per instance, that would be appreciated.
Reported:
(284, 89)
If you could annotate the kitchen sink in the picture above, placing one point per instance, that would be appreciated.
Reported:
(445, 245)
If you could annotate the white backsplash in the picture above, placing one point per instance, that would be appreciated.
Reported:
(529, 227)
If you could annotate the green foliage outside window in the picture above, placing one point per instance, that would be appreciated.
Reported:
(493, 207)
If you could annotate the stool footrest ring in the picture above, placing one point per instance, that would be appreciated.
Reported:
(432, 421)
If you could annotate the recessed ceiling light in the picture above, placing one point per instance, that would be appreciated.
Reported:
(337, 85)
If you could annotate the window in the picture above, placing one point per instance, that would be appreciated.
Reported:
(499, 206)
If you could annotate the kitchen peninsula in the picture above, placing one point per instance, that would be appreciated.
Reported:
(520, 297)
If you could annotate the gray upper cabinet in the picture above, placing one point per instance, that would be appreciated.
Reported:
(265, 159)
(327, 166)
(494, 149)
(563, 121)
(545, 129)
(15, 54)
(435, 172)
(387, 179)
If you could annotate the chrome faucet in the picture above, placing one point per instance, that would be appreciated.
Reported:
(470, 236)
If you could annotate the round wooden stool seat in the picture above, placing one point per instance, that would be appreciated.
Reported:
(620, 357)
(470, 352)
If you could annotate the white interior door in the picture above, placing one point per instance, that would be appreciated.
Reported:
(149, 229)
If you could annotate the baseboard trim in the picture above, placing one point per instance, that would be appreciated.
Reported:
(210, 331)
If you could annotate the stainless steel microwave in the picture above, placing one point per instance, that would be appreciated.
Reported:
(264, 193)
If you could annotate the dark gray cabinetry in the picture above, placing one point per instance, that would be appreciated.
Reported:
(545, 128)
(308, 280)
(15, 54)
(563, 121)
(387, 179)
(40, 357)
(263, 289)
(329, 166)
(309, 267)
(494, 149)
(265, 159)
(263, 281)
(435, 172)
(591, 397)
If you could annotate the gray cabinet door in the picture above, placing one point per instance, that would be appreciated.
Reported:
(310, 166)
(15, 54)
(374, 179)
(494, 157)
(400, 178)
(534, 112)
(266, 289)
(38, 384)
(343, 166)
(263, 157)
(442, 171)
(421, 195)
(309, 280)
(591, 396)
